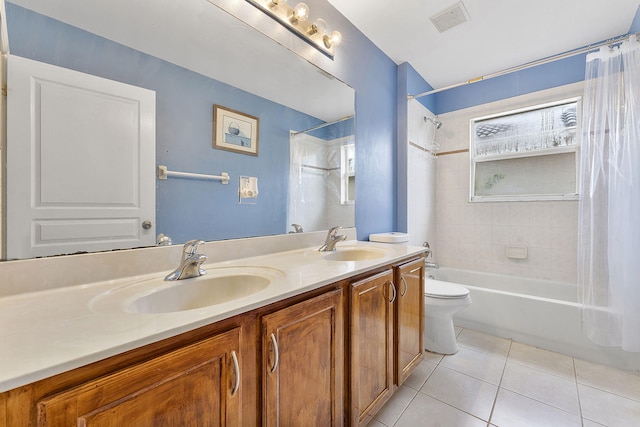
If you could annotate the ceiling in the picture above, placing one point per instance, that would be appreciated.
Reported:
(500, 33)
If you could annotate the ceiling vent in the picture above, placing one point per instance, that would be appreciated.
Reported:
(449, 18)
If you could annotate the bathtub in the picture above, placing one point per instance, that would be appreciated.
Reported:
(537, 312)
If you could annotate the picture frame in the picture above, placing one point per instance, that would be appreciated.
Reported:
(235, 131)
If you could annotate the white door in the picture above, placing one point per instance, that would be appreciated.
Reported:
(80, 162)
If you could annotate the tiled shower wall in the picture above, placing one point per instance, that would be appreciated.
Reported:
(475, 235)
(421, 176)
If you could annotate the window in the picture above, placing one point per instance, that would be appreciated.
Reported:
(348, 174)
(526, 154)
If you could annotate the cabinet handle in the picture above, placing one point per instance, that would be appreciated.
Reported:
(236, 367)
(405, 286)
(275, 353)
(395, 293)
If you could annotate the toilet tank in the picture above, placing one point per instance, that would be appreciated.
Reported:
(390, 237)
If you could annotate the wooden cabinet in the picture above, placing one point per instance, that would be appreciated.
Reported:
(330, 357)
(303, 363)
(409, 322)
(196, 385)
(371, 339)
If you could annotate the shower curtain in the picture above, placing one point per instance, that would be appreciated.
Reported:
(609, 207)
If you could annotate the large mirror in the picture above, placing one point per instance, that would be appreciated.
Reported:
(193, 54)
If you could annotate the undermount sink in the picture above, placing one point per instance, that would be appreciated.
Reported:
(155, 296)
(360, 254)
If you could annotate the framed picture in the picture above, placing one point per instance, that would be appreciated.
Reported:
(235, 131)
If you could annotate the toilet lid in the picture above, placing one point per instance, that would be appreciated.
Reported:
(439, 289)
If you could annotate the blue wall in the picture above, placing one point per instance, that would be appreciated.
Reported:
(186, 209)
(363, 66)
(635, 25)
(373, 76)
(558, 73)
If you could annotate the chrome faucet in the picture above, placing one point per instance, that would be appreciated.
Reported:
(190, 263)
(297, 228)
(427, 254)
(331, 240)
(427, 251)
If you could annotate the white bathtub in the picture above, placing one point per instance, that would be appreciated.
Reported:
(540, 313)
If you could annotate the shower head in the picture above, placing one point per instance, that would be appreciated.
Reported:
(436, 123)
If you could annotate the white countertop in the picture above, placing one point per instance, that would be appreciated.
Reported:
(49, 332)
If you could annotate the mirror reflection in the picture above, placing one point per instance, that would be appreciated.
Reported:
(322, 177)
(191, 68)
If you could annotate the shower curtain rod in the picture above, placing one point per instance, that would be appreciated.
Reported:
(527, 65)
(321, 126)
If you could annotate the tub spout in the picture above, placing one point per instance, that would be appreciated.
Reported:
(431, 265)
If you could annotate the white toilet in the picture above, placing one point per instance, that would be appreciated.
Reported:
(441, 301)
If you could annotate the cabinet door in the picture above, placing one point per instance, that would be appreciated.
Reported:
(409, 318)
(371, 345)
(193, 386)
(303, 363)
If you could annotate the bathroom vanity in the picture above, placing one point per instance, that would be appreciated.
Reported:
(327, 342)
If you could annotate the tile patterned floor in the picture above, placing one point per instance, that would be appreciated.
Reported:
(494, 382)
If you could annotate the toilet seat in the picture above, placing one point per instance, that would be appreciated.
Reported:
(444, 290)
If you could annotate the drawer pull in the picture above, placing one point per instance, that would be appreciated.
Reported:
(405, 286)
(275, 353)
(236, 367)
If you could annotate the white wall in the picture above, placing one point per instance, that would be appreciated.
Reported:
(316, 203)
(475, 235)
(338, 213)
(421, 176)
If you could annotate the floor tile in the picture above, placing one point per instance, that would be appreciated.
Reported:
(461, 391)
(589, 423)
(542, 360)
(376, 423)
(434, 358)
(484, 343)
(514, 410)
(546, 388)
(476, 364)
(419, 375)
(607, 408)
(613, 380)
(392, 410)
(425, 411)
(534, 387)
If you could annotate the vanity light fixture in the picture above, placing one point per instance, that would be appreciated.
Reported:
(296, 19)
(332, 40)
(300, 13)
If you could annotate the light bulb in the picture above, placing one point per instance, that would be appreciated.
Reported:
(336, 38)
(300, 13)
(318, 26)
(333, 40)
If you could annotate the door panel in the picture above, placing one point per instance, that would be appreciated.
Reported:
(191, 386)
(80, 162)
(304, 363)
(371, 345)
(410, 318)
